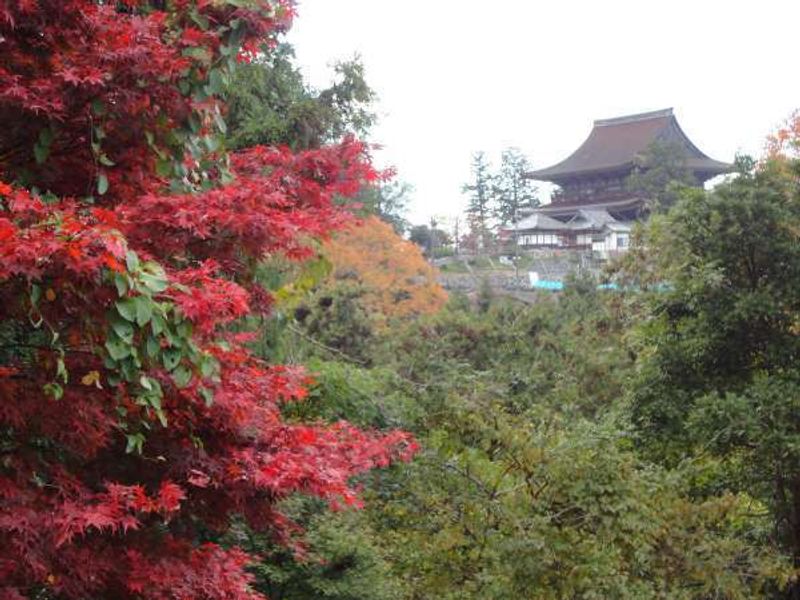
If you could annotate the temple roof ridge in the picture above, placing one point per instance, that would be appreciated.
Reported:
(653, 114)
(614, 144)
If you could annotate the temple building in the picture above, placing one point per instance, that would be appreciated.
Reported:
(594, 209)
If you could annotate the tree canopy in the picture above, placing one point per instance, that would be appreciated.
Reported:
(135, 421)
(212, 349)
(719, 374)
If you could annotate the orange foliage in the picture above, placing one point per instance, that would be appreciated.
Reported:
(785, 142)
(398, 281)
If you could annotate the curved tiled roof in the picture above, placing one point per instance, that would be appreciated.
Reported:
(538, 221)
(613, 145)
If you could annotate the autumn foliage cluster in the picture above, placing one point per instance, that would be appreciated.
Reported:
(397, 280)
(784, 142)
(134, 422)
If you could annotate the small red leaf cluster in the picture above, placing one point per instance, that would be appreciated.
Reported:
(134, 421)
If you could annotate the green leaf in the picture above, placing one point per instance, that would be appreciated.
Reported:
(117, 348)
(194, 123)
(102, 184)
(216, 84)
(151, 267)
(207, 395)
(54, 390)
(164, 167)
(123, 329)
(212, 143)
(208, 366)
(152, 347)
(121, 282)
(144, 310)
(40, 153)
(170, 358)
(61, 370)
(184, 329)
(135, 442)
(154, 283)
(129, 369)
(158, 324)
(131, 260)
(182, 376)
(127, 308)
(36, 294)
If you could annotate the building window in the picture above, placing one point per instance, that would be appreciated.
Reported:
(539, 239)
(622, 240)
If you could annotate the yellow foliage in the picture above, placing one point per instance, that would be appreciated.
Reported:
(398, 281)
(92, 378)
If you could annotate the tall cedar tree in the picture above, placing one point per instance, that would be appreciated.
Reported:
(512, 190)
(660, 174)
(479, 191)
(134, 422)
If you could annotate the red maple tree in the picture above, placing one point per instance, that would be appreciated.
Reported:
(134, 422)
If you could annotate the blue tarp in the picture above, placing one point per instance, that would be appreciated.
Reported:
(543, 284)
(558, 286)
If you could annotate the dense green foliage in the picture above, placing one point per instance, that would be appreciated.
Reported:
(660, 175)
(529, 484)
(635, 445)
(718, 377)
(270, 103)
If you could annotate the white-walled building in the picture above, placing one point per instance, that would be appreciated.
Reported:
(594, 209)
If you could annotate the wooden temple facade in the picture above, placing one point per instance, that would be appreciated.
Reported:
(593, 208)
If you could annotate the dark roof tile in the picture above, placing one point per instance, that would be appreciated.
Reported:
(613, 145)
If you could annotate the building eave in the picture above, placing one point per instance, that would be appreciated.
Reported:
(573, 208)
(613, 146)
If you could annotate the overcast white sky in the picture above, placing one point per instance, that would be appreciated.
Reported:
(455, 76)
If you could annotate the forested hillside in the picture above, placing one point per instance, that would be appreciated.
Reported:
(224, 374)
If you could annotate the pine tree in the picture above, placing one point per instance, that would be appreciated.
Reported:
(480, 191)
(512, 189)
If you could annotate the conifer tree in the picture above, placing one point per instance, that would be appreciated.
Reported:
(512, 189)
(480, 191)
